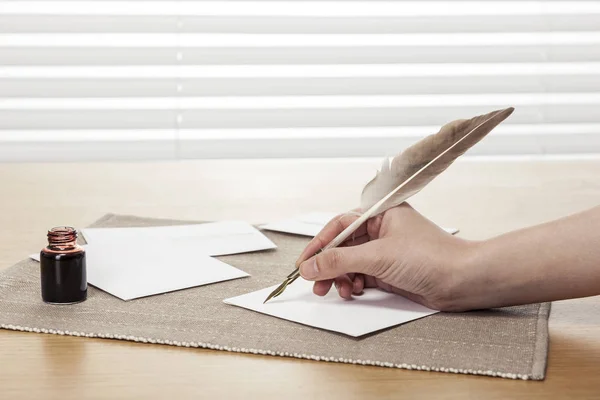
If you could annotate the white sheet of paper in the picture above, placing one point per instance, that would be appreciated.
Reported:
(130, 270)
(311, 224)
(305, 224)
(372, 311)
(213, 239)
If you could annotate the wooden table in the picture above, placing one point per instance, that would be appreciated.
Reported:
(482, 198)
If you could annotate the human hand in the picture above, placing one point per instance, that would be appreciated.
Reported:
(399, 251)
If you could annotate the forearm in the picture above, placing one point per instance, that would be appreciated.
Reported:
(553, 261)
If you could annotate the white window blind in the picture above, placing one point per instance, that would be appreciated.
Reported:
(134, 80)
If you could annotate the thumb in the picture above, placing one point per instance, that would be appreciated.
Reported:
(365, 258)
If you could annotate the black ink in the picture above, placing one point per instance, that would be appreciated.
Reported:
(63, 269)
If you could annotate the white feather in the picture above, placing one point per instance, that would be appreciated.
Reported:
(413, 169)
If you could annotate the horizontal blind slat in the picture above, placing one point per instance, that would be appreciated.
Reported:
(300, 8)
(385, 24)
(291, 102)
(102, 56)
(284, 118)
(49, 88)
(93, 40)
(282, 133)
(286, 71)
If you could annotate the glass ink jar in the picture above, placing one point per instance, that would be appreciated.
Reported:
(63, 270)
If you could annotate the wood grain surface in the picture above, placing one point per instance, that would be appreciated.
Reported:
(482, 198)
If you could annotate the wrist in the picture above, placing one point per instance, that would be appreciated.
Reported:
(488, 276)
(467, 281)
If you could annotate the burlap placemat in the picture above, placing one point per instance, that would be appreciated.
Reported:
(509, 342)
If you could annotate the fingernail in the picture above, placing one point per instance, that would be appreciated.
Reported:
(309, 268)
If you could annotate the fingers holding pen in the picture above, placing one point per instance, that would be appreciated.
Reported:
(330, 264)
(329, 232)
(345, 285)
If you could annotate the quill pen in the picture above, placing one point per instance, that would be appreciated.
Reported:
(411, 170)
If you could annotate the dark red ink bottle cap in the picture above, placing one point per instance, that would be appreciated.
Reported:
(62, 268)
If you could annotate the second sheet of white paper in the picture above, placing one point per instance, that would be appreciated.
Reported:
(310, 224)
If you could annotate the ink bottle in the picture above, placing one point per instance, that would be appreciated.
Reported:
(63, 270)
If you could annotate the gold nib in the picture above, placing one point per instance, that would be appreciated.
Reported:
(290, 278)
(277, 291)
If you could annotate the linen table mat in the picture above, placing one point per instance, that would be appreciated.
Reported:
(510, 342)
